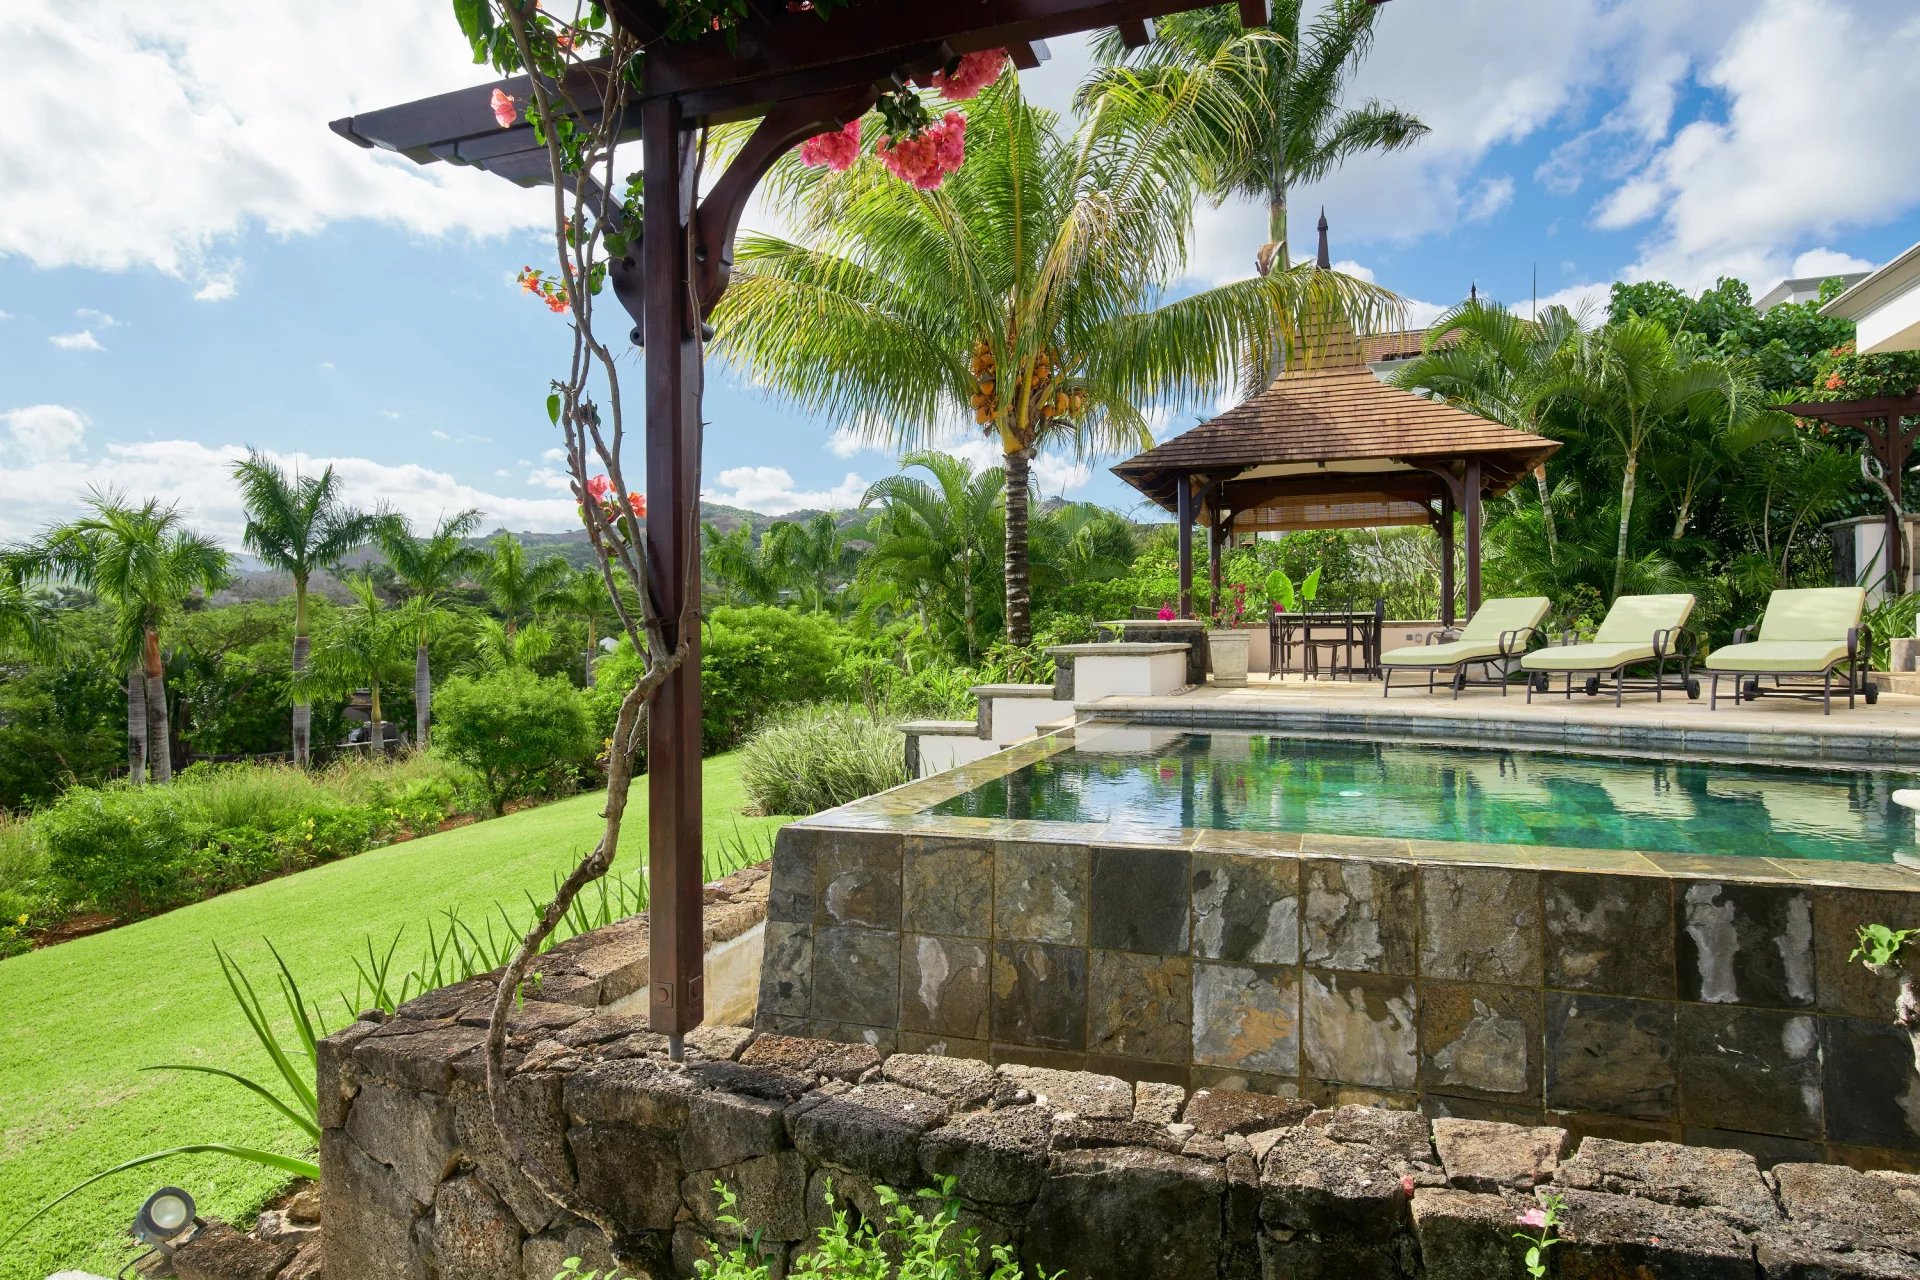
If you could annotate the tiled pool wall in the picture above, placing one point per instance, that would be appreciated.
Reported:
(1707, 1000)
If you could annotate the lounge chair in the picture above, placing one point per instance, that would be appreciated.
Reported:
(1637, 631)
(1499, 633)
(1806, 634)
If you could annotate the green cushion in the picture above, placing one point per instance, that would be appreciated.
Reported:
(1813, 613)
(1778, 656)
(1634, 619)
(1450, 654)
(1587, 657)
(1510, 613)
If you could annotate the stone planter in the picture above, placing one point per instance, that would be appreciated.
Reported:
(1228, 651)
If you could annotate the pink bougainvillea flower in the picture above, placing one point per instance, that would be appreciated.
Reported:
(837, 150)
(564, 38)
(1535, 1218)
(1406, 1180)
(504, 111)
(924, 160)
(975, 72)
(599, 487)
(637, 503)
(1166, 613)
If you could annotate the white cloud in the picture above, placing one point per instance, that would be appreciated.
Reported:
(390, 415)
(219, 284)
(771, 491)
(44, 432)
(1588, 299)
(326, 366)
(154, 133)
(1828, 262)
(6, 315)
(95, 319)
(81, 341)
(1494, 195)
(439, 435)
(42, 490)
(1815, 136)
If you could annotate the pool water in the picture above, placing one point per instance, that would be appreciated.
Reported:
(1420, 791)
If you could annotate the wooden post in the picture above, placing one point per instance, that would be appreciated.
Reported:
(1472, 520)
(1183, 516)
(1216, 535)
(1446, 558)
(674, 864)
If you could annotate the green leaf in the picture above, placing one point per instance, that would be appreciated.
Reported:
(1310, 589)
(553, 408)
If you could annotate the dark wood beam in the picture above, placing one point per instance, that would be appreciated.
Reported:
(1253, 13)
(1471, 519)
(1183, 502)
(1410, 486)
(1135, 33)
(1027, 55)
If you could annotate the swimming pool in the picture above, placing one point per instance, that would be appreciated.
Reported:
(1432, 791)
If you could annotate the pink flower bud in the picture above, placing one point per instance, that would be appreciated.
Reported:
(504, 110)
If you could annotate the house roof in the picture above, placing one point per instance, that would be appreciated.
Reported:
(1327, 444)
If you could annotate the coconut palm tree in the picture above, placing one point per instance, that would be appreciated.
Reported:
(365, 648)
(144, 562)
(515, 583)
(738, 565)
(935, 547)
(810, 556)
(1501, 366)
(298, 525)
(583, 595)
(430, 568)
(1026, 294)
(1305, 130)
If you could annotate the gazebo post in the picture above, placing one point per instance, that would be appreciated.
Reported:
(1472, 522)
(1183, 517)
(1446, 558)
(1215, 536)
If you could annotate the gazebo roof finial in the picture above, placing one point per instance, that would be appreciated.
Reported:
(1473, 291)
(1323, 259)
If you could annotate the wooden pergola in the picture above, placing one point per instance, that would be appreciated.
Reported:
(1891, 425)
(799, 75)
(1329, 446)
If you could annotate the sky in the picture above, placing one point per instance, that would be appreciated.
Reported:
(192, 264)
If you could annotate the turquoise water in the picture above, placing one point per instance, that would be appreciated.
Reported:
(1243, 782)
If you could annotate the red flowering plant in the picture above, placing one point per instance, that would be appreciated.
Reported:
(913, 144)
(1842, 373)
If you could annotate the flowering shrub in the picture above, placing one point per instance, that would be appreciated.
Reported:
(837, 150)
(1844, 374)
(544, 287)
(915, 147)
(970, 74)
(924, 160)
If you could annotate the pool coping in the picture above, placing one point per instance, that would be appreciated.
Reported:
(906, 809)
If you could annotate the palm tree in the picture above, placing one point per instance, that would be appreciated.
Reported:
(934, 546)
(740, 566)
(144, 562)
(1081, 542)
(26, 619)
(497, 649)
(1305, 131)
(366, 647)
(1485, 358)
(298, 525)
(810, 556)
(583, 595)
(516, 584)
(431, 568)
(1026, 293)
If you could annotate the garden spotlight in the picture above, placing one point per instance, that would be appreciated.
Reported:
(167, 1214)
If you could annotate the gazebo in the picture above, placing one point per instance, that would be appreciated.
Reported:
(1329, 446)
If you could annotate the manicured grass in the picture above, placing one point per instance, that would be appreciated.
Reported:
(79, 1021)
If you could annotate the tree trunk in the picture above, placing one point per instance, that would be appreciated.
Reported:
(137, 722)
(422, 697)
(379, 731)
(1626, 516)
(1546, 513)
(302, 709)
(159, 726)
(1019, 577)
(593, 648)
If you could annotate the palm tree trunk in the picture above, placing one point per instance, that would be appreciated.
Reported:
(159, 724)
(1019, 575)
(302, 709)
(1546, 514)
(137, 722)
(379, 732)
(593, 647)
(1626, 517)
(422, 696)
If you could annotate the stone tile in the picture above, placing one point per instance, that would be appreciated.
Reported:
(1609, 934)
(786, 969)
(1040, 892)
(1480, 1041)
(1872, 1093)
(1040, 995)
(947, 887)
(1611, 1054)
(856, 880)
(1139, 1006)
(944, 1046)
(945, 986)
(1359, 1029)
(1205, 1077)
(1358, 915)
(791, 878)
(1751, 1069)
(1844, 985)
(1521, 1115)
(1138, 900)
(856, 976)
(1338, 846)
(1247, 1018)
(1246, 908)
(1744, 944)
(1480, 924)
(1136, 1070)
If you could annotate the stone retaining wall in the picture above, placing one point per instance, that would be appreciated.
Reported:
(1609, 994)
(1077, 1172)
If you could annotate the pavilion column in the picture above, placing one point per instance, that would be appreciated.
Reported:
(1216, 536)
(1446, 558)
(673, 373)
(1183, 516)
(1472, 522)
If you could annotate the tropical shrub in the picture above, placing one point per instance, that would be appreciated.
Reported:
(818, 757)
(121, 849)
(24, 896)
(523, 735)
(755, 661)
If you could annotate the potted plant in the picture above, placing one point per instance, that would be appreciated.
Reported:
(1227, 640)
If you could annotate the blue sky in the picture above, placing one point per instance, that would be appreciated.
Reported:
(190, 263)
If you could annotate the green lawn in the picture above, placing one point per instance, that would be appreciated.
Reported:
(79, 1021)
